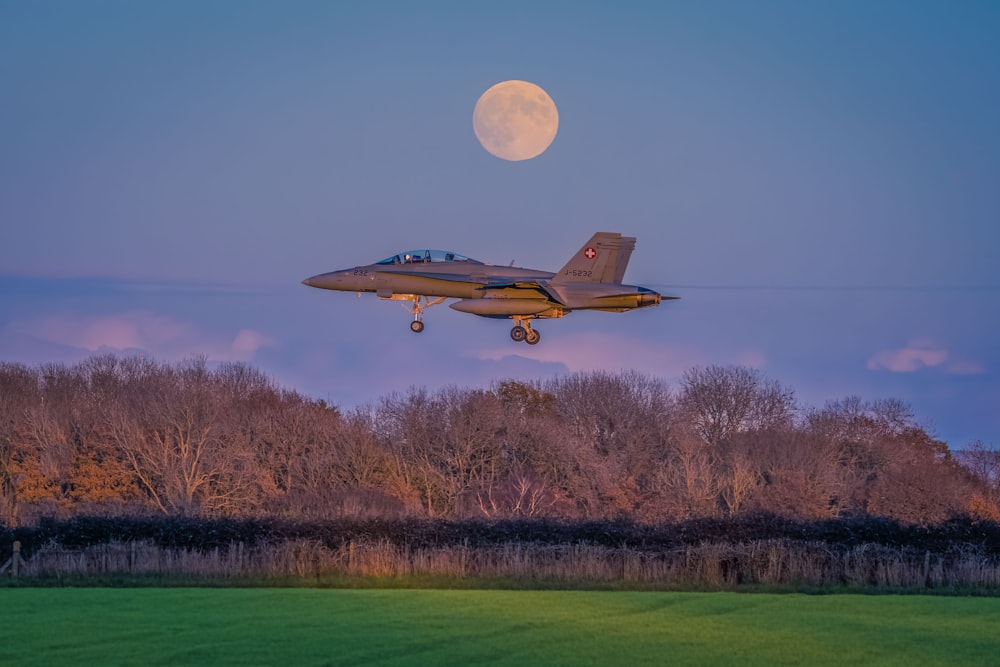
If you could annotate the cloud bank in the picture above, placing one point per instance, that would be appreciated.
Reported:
(136, 330)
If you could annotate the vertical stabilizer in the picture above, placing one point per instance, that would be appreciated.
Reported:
(624, 255)
(602, 259)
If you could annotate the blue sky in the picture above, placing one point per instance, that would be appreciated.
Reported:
(817, 181)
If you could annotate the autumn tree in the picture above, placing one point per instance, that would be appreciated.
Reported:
(729, 408)
(798, 474)
(173, 426)
(520, 481)
(618, 426)
(330, 464)
(921, 481)
(127, 434)
(442, 445)
(885, 462)
(690, 476)
(984, 464)
(18, 394)
(50, 434)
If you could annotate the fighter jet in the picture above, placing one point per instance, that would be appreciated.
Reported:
(591, 280)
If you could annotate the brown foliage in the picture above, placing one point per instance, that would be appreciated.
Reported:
(130, 435)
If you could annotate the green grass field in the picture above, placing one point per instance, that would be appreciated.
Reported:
(204, 626)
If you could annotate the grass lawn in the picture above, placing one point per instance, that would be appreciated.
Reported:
(295, 626)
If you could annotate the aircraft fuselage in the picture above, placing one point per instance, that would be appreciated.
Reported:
(591, 280)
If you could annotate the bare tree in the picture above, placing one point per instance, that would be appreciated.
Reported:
(543, 462)
(172, 427)
(984, 464)
(799, 475)
(886, 463)
(617, 423)
(691, 476)
(522, 493)
(740, 479)
(443, 446)
(724, 400)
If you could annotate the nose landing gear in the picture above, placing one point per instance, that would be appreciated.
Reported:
(412, 303)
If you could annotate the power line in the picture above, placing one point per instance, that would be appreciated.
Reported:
(838, 288)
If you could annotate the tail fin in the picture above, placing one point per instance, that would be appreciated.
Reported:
(603, 259)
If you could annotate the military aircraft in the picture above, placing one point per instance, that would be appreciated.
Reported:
(591, 280)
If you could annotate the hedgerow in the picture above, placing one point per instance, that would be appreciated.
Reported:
(203, 534)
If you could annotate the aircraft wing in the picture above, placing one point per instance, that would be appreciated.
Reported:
(517, 284)
(563, 293)
(536, 286)
(450, 277)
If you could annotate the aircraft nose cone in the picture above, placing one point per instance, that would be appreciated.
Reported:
(333, 280)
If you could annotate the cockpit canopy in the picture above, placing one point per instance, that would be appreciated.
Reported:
(425, 256)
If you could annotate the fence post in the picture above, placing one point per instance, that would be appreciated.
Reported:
(14, 562)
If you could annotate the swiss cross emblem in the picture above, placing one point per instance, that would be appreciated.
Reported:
(590, 253)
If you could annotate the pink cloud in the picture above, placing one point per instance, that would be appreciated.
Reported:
(922, 353)
(129, 330)
(593, 351)
(160, 335)
(965, 367)
(247, 342)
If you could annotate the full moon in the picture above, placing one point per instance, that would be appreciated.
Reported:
(515, 120)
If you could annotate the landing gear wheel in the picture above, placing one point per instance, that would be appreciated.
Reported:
(416, 326)
(518, 333)
(533, 337)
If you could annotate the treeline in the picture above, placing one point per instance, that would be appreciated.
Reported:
(130, 436)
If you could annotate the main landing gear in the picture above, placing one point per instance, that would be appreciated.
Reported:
(522, 331)
(416, 305)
